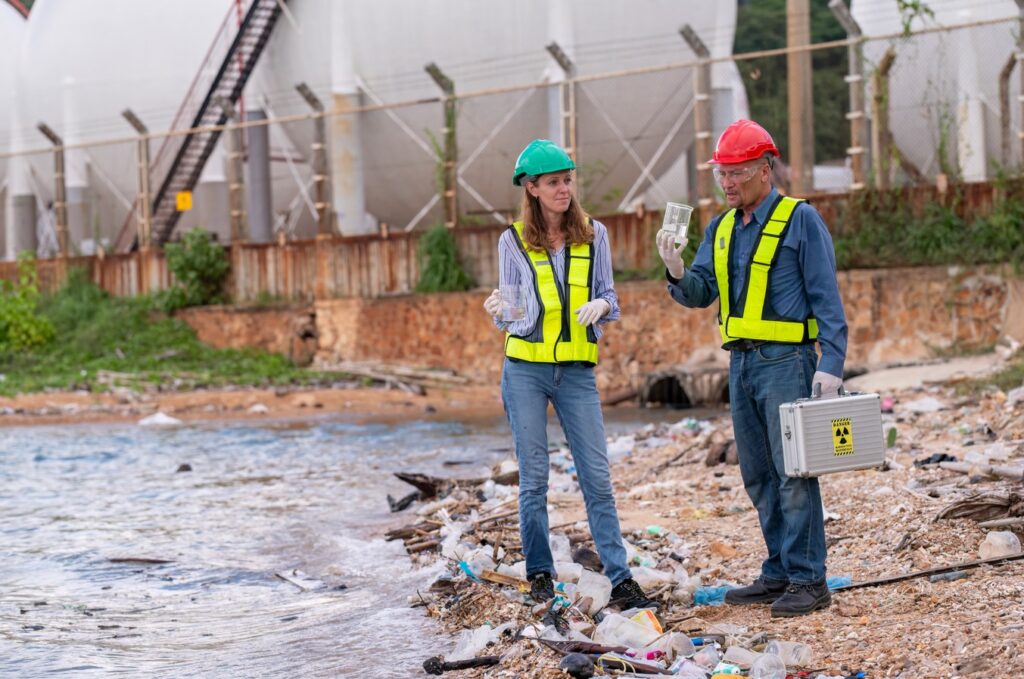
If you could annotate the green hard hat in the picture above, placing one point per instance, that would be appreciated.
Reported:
(540, 157)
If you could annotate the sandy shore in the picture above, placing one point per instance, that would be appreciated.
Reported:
(379, 404)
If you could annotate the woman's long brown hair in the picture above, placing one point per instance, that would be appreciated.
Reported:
(576, 226)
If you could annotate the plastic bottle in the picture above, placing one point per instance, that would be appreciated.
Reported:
(793, 653)
(596, 587)
(737, 655)
(615, 630)
(767, 666)
(835, 581)
(707, 657)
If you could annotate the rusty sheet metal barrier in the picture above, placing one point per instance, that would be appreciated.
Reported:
(379, 265)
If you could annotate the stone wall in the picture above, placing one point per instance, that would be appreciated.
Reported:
(895, 315)
(289, 331)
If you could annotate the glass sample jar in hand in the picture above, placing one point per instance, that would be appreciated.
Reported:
(677, 220)
(513, 302)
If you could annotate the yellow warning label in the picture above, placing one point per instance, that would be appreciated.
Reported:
(842, 436)
(183, 201)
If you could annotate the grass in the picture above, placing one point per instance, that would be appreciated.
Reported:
(1010, 377)
(103, 342)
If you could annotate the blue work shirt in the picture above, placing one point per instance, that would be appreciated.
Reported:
(801, 283)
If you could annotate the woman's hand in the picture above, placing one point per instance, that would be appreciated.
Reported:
(492, 304)
(592, 311)
(671, 253)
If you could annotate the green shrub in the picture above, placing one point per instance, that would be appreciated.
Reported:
(200, 268)
(440, 269)
(21, 326)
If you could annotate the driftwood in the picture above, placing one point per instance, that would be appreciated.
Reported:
(567, 647)
(437, 665)
(399, 505)
(141, 560)
(985, 507)
(435, 486)
(1004, 471)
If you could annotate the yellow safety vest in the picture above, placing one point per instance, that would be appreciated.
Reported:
(557, 337)
(749, 320)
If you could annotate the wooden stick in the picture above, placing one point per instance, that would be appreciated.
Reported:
(1005, 471)
(997, 523)
(930, 571)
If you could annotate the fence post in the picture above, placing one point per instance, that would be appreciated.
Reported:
(236, 176)
(449, 159)
(880, 135)
(566, 100)
(855, 79)
(701, 123)
(321, 173)
(60, 209)
(800, 97)
(145, 211)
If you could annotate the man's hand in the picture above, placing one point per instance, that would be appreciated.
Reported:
(671, 253)
(593, 310)
(825, 385)
(492, 304)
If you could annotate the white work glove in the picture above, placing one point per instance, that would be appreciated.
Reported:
(670, 253)
(829, 385)
(589, 313)
(492, 304)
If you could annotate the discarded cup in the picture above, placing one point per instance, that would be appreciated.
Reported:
(792, 653)
(767, 666)
(676, 220)
(513, 302)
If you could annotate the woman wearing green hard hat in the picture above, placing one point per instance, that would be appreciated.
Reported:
(555, 292)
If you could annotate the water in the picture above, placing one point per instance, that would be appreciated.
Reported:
(85, 507)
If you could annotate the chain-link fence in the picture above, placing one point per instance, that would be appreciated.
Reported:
(939, 105)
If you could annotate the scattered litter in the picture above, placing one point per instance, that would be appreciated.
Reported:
(159, 419)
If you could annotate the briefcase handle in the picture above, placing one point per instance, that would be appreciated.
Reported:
(816, 393)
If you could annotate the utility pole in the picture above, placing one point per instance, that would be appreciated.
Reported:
(451, 208)
(800, 97)
(701, 121)
(855, 79)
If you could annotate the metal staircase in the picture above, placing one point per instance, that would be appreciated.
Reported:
(221, 78)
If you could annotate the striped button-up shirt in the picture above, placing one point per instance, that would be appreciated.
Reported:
(514, 268)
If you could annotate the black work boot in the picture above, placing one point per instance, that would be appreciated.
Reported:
(759, 591)
(541, 587)
(627, 594)
(801, 600)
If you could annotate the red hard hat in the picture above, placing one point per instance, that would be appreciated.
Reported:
(743, 140)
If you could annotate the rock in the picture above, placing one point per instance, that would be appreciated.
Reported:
(577, 665)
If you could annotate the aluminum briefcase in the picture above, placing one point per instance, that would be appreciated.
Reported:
(825, 435)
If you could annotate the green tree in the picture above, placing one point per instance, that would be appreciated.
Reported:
(760, 26)
(21, 325)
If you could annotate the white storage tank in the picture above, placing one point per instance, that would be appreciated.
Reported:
(12, 30)
(83, 63)
(944, 86)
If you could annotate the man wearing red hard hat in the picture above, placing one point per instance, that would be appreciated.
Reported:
(770, 262)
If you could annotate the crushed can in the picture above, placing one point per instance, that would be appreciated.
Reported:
(827, 435)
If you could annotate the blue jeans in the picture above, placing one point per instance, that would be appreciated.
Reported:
(526, 389)
(789, 509)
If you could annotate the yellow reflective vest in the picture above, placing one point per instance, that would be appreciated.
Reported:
(557, 337)
(754, 319)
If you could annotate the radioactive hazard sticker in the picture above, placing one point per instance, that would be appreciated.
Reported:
(842, 436)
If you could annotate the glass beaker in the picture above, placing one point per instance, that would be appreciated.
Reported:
(513, 302)
(676, 220)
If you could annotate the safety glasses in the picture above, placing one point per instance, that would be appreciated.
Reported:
(739, 174)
